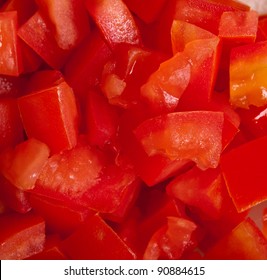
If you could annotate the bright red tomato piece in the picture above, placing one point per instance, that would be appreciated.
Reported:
(22, 235)
(171, 240)
(245, 242)
(244, 173)
(56, 124)
(96, 240)
(10, 60)
(247, 72)
(15, 199)
(23, 164)
(195, 136)
(71, 25)
(11, 129)
(115, 21)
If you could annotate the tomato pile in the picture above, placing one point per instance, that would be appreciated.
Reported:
(132, 129)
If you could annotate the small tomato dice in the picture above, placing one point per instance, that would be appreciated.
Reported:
(10, 60)
(244, 171)
(55, 124)
(21, 235)
(23, 164)
(195, 136)
(248, 84)
(96, 240)
(115, 21)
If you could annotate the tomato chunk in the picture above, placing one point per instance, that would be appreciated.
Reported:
(96, 240)
(56, 124)
(245, 242)
(23, 164)
(195, 136)
(115, 21)
(21, 235)
(10, 60)
(244, 173)
(247, 72)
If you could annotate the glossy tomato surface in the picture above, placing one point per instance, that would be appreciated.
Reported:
(133, 129)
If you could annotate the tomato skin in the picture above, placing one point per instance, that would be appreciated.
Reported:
(37, 33)
(21, 235)
(243, 167)
(71, 25)
(102, 120)
(51, 250)
(247, 87)
(10, 62)
(200, 190)
(60, 218)
(115, 21)
(84, 67)
(23, 164)
(15, 199)
(11, 129)
(245, 242)
(56, 124)
(159, 135)
(96, 240)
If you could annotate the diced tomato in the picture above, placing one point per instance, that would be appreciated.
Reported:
(254, 121)
(56, 124)
(10, 59)
(206, 13)
(59, 217)
(96, 240)
(70, 25)
(261, 33)
(15, 232)
(102, 120)
(51, 250)
(151, 169)
(203, 56)
(243, 26)
(195, 136)
(11, 86)
(84, 68)
(43, 79)
(69, 174)
(11, 129)
(165, 86)
(37, 33)
(171, 240)
(244, 173)
(127, 70)
(245, 242)
(24, 9)
(183, 32)
(16, 199)
(247, 72)
(115, 21)
(23, 164)
(199, 189)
